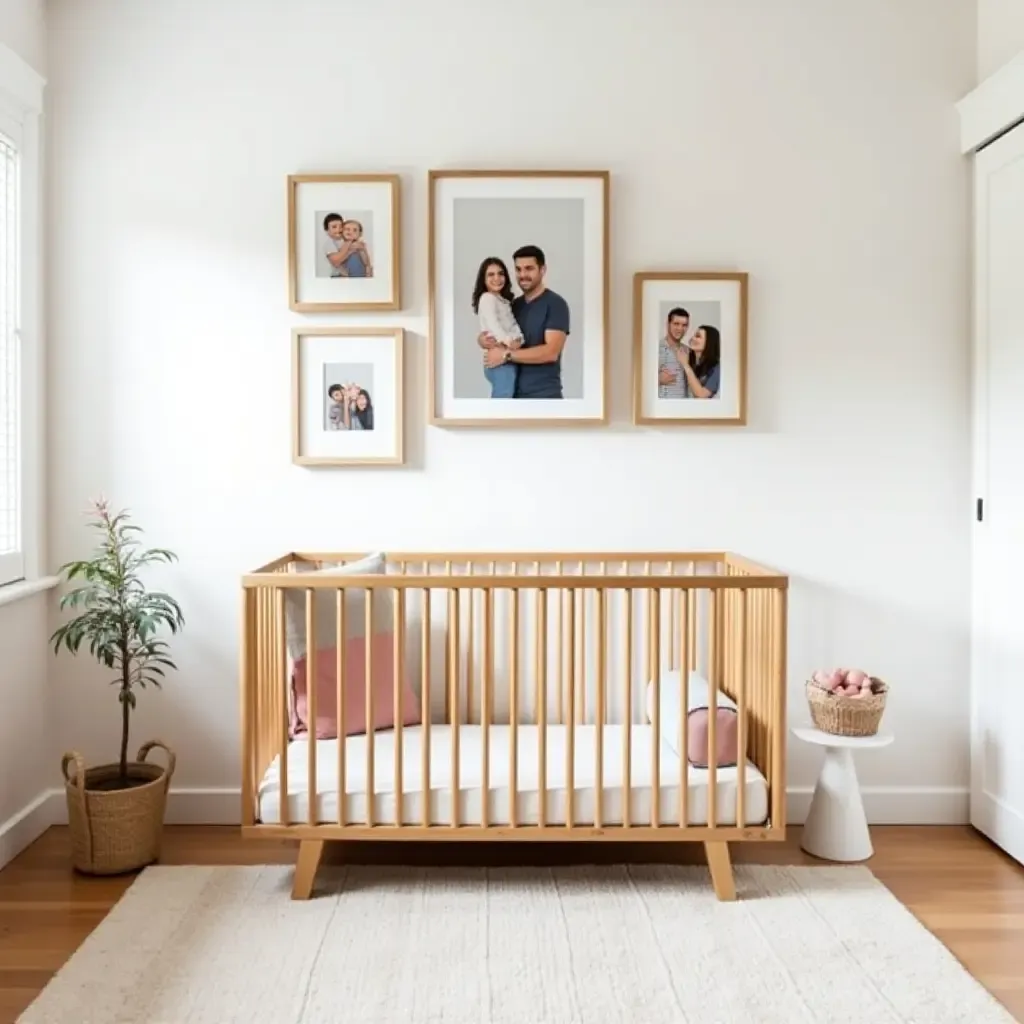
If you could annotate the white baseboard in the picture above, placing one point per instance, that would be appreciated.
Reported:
(24, 828)
(895, 805)
(885, 805)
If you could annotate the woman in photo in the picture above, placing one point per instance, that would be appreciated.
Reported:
(492, 302)
(361, 410)
(701, 362)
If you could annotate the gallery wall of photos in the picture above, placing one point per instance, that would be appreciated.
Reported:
(518, 336)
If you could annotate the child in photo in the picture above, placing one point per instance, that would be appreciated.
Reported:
(356, 261)
(492, 302)
(333, 247)
(336, 407)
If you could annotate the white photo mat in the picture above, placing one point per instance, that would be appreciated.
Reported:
(655, 296)
(587, 327)
(311, 200)
(316, 348)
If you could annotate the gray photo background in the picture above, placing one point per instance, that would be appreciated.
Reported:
(497, 227)
(365, 217)
(701, 312)
(345, 373)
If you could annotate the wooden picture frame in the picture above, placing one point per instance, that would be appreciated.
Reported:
(477, 215)
(363, 425)
(698, 318)
(322, 211)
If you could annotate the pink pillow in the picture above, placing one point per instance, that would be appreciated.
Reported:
(383, 712)
(698, 737)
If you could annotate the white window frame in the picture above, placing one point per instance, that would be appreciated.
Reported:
(21, 113)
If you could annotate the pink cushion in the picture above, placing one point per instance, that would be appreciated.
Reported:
(698, 737)
(383, 711)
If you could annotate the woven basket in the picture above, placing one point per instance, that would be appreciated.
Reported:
(840, 715)
(119, 830)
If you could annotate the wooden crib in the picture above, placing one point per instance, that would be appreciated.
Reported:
(538, 681)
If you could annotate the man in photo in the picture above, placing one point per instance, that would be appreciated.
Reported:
(543, 317)
(340, 247)
(671, 378)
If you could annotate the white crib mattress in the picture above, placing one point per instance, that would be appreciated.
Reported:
(470, 783)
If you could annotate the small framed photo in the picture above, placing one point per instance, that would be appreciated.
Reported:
(690, 348)
(518, 291)
(343, 242)
(347, 395)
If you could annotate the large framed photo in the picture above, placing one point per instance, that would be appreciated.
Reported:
(347, 395)
(518, 279)
(343, 242)
(690, 348)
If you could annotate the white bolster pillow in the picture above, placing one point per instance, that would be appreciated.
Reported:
(698, 713)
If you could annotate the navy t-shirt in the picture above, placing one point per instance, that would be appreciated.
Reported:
(548, 312)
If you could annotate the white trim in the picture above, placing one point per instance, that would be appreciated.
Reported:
(11, 592)
(995, 105)
(21, 99)
(24, 828)
(884, 805)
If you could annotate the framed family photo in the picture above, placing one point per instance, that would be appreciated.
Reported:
(343, 242)
(690, 348)
(347, 394)
(518, 292)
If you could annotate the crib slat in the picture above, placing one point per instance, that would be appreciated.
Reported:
(449, 711)
(777, 705)
(741, 710)
(579, 681)
(713, 684)
(570, 718)
(311, 689)
(249, 673)
(684, 699)
(602, 641)
(513, 706)
(370, 786)
(453, 684)
(281, 684)
(399, 678)
(627, 717)
(654, 674)
(342, 632)
(560, 649)
(425, 706)
(471, 635)
(542, 702)
(485, 703)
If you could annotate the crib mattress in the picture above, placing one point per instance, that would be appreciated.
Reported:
(470, 782)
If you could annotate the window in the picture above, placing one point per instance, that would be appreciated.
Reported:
(21, 448)
(12, 557)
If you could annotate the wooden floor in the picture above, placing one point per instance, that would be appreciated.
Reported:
(958, 885)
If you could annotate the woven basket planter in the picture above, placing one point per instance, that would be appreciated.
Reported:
(117, 830)
(840, 715)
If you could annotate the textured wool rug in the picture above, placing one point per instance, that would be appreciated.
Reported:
(636, 945)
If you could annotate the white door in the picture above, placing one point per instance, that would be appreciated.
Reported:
(997, 692)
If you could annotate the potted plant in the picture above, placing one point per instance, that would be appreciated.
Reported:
(116, 811)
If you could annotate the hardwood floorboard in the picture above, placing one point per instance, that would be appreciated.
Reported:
(961, 887)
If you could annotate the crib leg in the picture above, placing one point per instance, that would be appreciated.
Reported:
(310, 852)
(721, 870)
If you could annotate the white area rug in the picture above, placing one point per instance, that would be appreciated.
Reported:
(636, 945)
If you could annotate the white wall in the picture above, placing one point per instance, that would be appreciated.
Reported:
(813, 145)
(27, 745)
(1000, 34)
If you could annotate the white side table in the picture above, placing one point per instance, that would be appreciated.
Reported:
(837, 827)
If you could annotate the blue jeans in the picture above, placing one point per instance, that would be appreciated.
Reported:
(503, 380)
